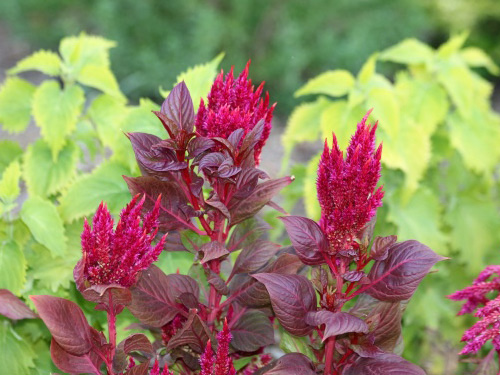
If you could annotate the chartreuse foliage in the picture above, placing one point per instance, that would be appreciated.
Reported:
(440, 150)
(81, 115)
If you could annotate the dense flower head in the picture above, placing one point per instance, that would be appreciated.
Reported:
(220, 363)
(235, 104)
(156, 370)
(116, 256)
(476, 295)
(346, 187)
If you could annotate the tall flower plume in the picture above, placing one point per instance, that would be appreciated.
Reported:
(476, 295)
(235, 104)
(116, 256)
(346, 187)
(221, 363)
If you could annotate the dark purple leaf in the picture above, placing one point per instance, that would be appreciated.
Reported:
(336, 323)
(154, 297)
(381, 245)
(178, 107)
(13, 308)
(66, 322)
(366, 348)
(194, 333)
(141, 369)
(292, 298)
(173, 200)
(385, 364)
(215, 202)
(251, 139)
(197, 185)
(137, 342)
(227, 169)
(247, 232)
(213, 250)
(227, 144)
(254, 256)
(252, 332)
(199, 145)
(397, 277)
(101, 294)
(67, 362)
(307, 239)
(174, 242)
(217, 282)
(277, 207)
(247, 180)
(292, 364)
(242, 209)
(235, 137)
(387, 331)
(353, 276)
(212, 160)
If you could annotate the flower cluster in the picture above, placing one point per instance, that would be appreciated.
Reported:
(156, 370)
(221, 363)
(234, 104)
(346, 187)
(488, 328)
(116, 256)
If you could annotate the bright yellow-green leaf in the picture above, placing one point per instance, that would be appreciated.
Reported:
(338, 118)
(107, 113)
(409, 51)
(368, 69)
(104, 184)
(10, 151)
(303, 125)
(198, 79)
(82, 50)
(310, 195)
(45, 176)
(332, 82)
(419, 219)
(56, 112)
(295, 344)
(16, 95)
(9, 182)
(16, 355)
(453, 45)
(474, 223)
(458, 82)
(476, 57)
(45, 224)
(102, 78)
(12, 267)
(44, 61)
(385, 110)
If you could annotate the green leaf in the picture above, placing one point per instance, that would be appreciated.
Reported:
(12, 267)
(368, 70)
(56, 112)
(419, 218)
(453, 45)
(385, 109)
(303, 125)
(476, 57)
(474, 223)
(295, 344)
(332, 82)
(171, 262)
(45, 176)
(459, 83)
(44, 61)
(101, 78)
(16, 355)
(199, 80)
(10, 151)
(9, 183)
(476, 138)
(45, 224)
(104, 184)
(310, 195)
(16, 95)
(409, 51)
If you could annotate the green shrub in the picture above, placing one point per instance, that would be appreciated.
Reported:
(440, 145)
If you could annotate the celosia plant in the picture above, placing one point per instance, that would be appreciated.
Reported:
(202, 186)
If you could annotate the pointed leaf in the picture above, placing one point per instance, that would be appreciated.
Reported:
(13, 308)
(332, 82)
(307, 238)
(386, 364)
(254, 256)
(16, 95)
(67, 362)
(100, 78)
(336, 323)
(46, 62)
(178, 107)
(292, 364)
(252, 332)
(245, 233)
(12, 267)
(409, 51)
(9, 182)
(17, 355)
(194, 333)
(213, 250)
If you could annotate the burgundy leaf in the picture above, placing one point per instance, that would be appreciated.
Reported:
(194, 333)
(137, 342)
(247, 180)
(307, 239)
(212, 160)
(235, 137)
(13, 308)
(247, 232)
(336, 323)
(226, 143)
(292, 298)
(251, 139)
(242, 209)
(366, 348)
(66, 322)
(397, 277)
(172, 216)
(154, 296)
(178, 107)
(215, 202)
(254, 256)
(252, 332)
(199, 145)
(174, 242)
(353, 275)
(141, 369)
(213, 250)
(381, 246)
(386, 364)
(292, 364)
(217, 282)
(101, 294)
(73, 364)
(227, 169)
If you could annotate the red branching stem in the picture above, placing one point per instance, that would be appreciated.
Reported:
(112, 333)
(329, 351)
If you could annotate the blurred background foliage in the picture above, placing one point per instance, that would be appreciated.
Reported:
(288, 41)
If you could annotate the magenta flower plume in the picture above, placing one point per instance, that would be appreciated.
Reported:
(156, 370)
(207, 360)
(234, 104)
(346, 187)
(116, 256)
(488, 327)
(221, 363)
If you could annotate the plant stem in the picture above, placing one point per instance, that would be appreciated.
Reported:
(112, 333)
(329, 350)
